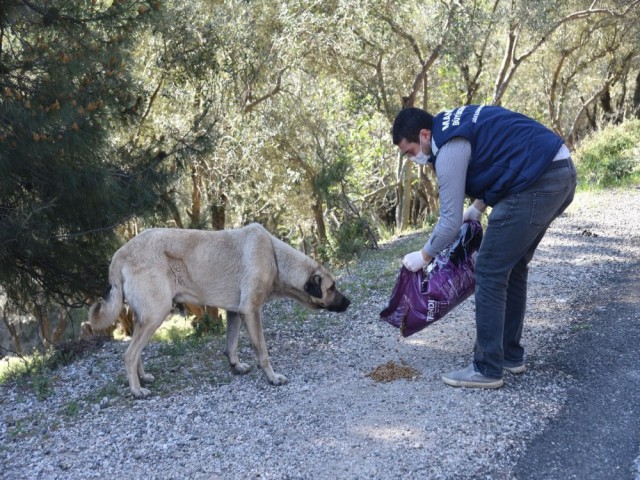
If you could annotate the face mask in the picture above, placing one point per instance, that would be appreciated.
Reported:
(421, 158)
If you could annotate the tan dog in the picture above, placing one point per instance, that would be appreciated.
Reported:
(236, 270)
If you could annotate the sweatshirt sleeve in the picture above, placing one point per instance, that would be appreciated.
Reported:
(451, 172)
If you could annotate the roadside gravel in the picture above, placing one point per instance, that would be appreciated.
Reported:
(331, 420)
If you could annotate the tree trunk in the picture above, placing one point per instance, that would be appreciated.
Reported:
(432, 193)
(196, 196)
(406, 201)
(319, 218)
(399, 197)
(219, 212)
(402, 206)
(173, 208)
(607, 108)
(14, 335)
(45, 326)
(636, 98)
(60, 327)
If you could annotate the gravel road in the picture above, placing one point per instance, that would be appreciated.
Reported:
(333, 420)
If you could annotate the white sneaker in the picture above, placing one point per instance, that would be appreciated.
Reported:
(468, 377)
(515, 370)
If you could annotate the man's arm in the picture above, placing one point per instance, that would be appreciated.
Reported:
(451, 171)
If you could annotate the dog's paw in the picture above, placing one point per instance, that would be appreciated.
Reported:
(278, 380)
(140, 393)
(241, 368)
(147, 378)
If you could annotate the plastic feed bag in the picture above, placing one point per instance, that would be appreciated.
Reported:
(420, 298)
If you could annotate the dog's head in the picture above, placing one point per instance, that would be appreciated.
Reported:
(323, 293)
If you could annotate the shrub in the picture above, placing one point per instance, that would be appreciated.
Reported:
(36, 370)
(610, 157)
(208, 325)
(349, 239)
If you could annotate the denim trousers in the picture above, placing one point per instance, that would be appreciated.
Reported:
(516, 226)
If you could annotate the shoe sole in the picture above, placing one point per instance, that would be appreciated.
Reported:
(515, 370)
(468, 384)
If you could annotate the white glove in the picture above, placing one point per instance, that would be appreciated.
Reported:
(414, 261)
(472, 213)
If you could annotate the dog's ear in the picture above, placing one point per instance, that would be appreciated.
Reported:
(313, 286)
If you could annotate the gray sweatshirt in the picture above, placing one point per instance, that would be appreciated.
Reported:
(451, 172)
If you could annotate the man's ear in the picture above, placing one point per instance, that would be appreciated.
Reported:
(314, 286)
(426, 135)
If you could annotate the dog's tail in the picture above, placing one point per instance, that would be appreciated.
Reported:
(105, 312)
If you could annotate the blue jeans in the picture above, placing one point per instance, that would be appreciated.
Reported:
(516, 226)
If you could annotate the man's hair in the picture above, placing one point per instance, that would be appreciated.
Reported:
(408, 124)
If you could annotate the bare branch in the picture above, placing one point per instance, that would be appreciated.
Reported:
(276, 89)
(426, 65)
(612, 79)
(395, 28)
(152, 100)
(384, 188)
(508, 69)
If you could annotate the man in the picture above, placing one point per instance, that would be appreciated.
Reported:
(522, 170)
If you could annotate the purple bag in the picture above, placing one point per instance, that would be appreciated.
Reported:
(420, 298)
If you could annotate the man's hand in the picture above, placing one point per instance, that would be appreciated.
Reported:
(414, 261)
(474, 211)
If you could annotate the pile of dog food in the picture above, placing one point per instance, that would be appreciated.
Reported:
(390, 371)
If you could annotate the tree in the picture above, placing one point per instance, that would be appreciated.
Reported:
(539, 22)
(210, 70)
(66, 183)
(119, 115)
(444, 53)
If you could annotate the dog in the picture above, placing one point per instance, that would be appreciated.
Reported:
(236, 270)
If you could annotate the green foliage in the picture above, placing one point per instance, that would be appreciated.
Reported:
(42, 383)
(33, 370)
(174, 329)
(119, 115)
(208, 325)
(72, 409)
(349, 240)
(37, 370)
(175, 342)
(65, 183)
(610, 157)
(331, 174)
(110, 390)
(177, 335)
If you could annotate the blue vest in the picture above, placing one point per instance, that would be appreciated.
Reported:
(509, 151)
